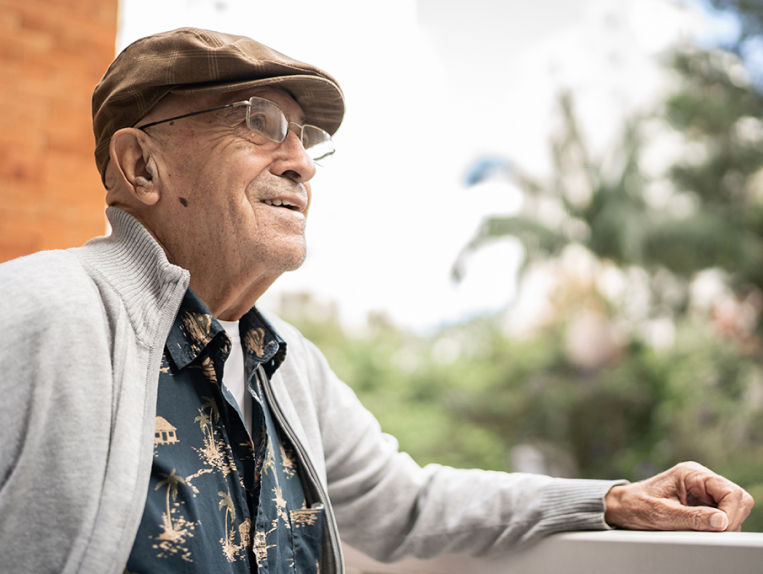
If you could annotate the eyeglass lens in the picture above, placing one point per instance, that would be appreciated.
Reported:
(267, 119)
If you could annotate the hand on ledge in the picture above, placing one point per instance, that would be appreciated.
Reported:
(686, 497)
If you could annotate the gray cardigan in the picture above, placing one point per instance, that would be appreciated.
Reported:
(84, 333)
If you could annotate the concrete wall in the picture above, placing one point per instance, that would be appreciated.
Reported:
(621, 551)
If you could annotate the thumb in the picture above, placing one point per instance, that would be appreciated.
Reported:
(697, 518)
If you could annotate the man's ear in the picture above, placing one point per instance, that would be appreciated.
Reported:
(136, 169)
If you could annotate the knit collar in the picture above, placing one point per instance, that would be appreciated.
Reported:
(132, 263)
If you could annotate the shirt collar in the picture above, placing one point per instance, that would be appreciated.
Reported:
(261, 342)
(195, 328)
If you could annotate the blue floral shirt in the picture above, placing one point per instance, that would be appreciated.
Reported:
(220, 501)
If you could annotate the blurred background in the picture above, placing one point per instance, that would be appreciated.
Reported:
(539, 246)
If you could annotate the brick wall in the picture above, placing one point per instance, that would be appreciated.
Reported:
(52, 53)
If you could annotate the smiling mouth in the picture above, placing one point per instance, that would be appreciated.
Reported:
(280, 203)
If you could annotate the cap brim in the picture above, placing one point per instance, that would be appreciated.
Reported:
(320, 99)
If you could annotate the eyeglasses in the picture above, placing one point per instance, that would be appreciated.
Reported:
(265, 118)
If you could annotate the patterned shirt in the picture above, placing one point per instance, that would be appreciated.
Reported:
(218, 500)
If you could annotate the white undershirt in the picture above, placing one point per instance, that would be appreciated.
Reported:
(234, 377)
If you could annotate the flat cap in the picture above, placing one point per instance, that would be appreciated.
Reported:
(195, 61)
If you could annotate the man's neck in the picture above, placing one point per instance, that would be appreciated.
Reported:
(228, 301)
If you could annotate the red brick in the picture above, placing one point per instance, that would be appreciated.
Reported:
(52, 52)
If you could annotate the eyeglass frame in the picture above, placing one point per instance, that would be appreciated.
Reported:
(248, 123)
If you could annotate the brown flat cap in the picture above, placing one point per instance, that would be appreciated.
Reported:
(191, 61)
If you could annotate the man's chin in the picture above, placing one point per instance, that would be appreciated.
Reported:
(298, 263)
(287, 255)
(294, 259)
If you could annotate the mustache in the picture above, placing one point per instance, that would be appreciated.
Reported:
(280, 184)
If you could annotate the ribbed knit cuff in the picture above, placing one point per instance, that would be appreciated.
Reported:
(576, 504)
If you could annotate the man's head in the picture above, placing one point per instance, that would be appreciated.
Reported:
(190, 61)
(200, 163)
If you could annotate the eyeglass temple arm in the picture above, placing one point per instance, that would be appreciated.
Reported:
(188, 115)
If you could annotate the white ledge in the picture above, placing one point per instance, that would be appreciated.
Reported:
(621, 551)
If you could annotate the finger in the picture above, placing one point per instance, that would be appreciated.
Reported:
(738, 507)
(704, 485)
(718, 488)
(676, 516)
(705, 488)
(690, 484)
(730, 498)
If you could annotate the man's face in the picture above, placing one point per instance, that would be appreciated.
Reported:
(233, 205)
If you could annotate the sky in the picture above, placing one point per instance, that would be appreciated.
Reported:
(430, 86)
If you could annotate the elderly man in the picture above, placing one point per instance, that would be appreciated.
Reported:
(156, 421)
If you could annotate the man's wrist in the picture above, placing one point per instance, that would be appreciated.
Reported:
(613, 505)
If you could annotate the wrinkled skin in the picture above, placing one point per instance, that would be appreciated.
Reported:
(685, 497)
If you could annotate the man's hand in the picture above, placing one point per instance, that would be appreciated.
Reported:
(686, 497)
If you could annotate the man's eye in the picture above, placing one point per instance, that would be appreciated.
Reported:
(258, 122)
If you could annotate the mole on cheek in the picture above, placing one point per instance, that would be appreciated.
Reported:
(184, 201)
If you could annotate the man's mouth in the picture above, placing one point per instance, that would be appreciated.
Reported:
(280, 203)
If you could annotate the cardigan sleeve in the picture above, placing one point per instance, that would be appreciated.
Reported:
(54, 440)
(389, 507)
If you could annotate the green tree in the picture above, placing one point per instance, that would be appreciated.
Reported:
(700, 398)
(605, 202)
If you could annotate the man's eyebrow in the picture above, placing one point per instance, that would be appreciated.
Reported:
(232, 113)
(299, 118)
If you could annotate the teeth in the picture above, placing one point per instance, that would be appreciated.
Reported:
(278, 203)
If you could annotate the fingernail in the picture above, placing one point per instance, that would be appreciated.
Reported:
(718, 521)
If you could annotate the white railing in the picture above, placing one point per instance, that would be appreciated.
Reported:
(617, 551)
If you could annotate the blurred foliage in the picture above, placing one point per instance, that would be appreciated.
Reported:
(588, 390)
(710, 213)
(749, 14)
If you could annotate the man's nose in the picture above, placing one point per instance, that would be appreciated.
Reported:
(292, 160)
